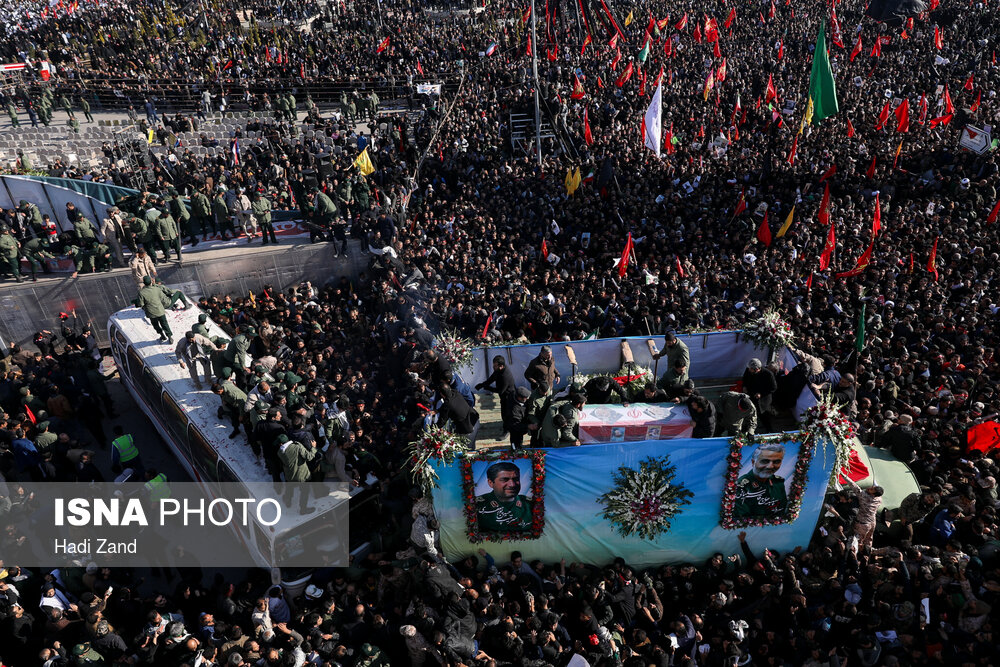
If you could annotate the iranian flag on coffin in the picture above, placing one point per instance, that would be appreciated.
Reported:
(635, 423)
(46, 70)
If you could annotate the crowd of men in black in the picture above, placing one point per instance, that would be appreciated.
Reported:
(468, 252)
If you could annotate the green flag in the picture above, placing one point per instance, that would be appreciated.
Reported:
(822, 88)
(859, 342)
(644, 53)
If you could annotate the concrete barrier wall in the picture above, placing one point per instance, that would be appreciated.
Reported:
(31, 307)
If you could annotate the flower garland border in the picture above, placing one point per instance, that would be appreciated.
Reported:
(800, 476)
(537, 459)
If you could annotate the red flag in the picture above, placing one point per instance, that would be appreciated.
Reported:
(420, 68)
(992, 217)
(824, 207)
(975, 105)
(720, 75)
(877, 221)
(586, 40)
(771, 91)
(791, 154)
(831, 243)
(668, 139)
(876, 49)
(937, 39)
(683, 22)
(903, 116)
(642, 87)
(623, 263)
(697, 32)
(730, 19)
(941, 120)
(863, 262)
(383, 46)
(545, 250)
(871, 170)
(836, 36)
(528, 52)
(626, 75)
(489, 320)
(588, 138)
(31, 415)
(781, 49)
(923, 108)
(526, 15)
(552, 54)
(770, 12)
(949, 108)
(850, 129)
(857, 48)
(829, 173)
(983, 437)
(578, 91)
(668, 47)
(809, 281)
(741, 205)
(680, 267)
(911, 262)
(715, 50)
(764, 232)
(711, 31)
(883, 117)
(932, 260)
(968, 83)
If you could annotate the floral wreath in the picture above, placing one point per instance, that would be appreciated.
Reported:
(826, 424)
(456, 350)
(769, 332)
(799, 478)
(630, 377)
(537, 458)
(643, 502)
(438, 444)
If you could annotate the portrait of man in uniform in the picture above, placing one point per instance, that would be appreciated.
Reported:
(760, 492)
(504, 508)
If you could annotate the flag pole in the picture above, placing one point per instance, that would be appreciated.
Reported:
(534, 73)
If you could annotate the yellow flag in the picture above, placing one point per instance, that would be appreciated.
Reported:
(807, 118)
(573, 180)
(364, 163)
(149, 137)
(253, 300)
(628, 20)
(788, 223)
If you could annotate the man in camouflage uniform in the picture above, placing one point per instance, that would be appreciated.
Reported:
(760, 493)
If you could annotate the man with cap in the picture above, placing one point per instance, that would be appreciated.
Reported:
(10, 253)
(141, 266)
(324, 212)
(44, 439)
(154, 303)
(673, 350)
(201, 213)
(158, 237)
(192, 350)
(737, 415)
(179, 210)
(33, 216)
(233, 400)
(261, 208)
(201, 326)
(295, 458)
(236, 353)
(220, 211)
(84, 654)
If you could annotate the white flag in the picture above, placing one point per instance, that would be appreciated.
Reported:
(652, 122)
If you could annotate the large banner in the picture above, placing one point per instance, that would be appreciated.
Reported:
(649, 502)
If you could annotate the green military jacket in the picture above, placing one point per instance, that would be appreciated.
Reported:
(8, 246)
(166, 228)
(759, 499)
(236, 352)
(200, 205)
(152, 301)
(85, 229)
(295, 458)
(325, 209)
(494, 515)
(552, 436)
(178, 208)
(261, 210)
(232, 395)
(140, 228)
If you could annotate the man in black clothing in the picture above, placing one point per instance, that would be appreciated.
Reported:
(902, 439)
(501, 382)
(759, 384)
(436, 368)
(703, 415)
(652, 394)
(519, 417)
(600, 389)
(462, 415)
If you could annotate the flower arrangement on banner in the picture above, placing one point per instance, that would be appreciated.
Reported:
(769, 332)
(630, 377)
(436, 444)
(537, 459)
(798, 482)
(455, 349)
(643, 502)
(826, 424)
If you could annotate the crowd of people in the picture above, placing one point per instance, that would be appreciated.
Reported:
(489, 243)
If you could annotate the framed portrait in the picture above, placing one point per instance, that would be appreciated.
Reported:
(765, 479)
(504, 495)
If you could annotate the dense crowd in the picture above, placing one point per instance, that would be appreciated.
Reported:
(344, 367)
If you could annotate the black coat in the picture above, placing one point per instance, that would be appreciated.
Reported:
(458, 410)
(704, 422)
